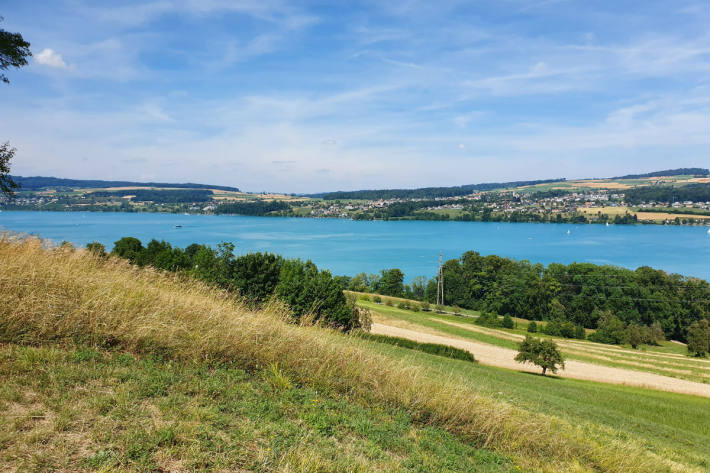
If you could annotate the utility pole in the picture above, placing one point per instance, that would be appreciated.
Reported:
(440, 283)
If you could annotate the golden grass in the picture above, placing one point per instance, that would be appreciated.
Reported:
(63, 295)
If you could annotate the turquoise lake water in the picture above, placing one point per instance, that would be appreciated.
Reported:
(349, 247)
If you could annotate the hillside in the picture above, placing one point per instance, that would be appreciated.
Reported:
(41, 182)
(116, 367)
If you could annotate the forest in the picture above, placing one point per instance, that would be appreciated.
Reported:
(159, 196)
(691, 192)
(256, 208)
(427, 192)
(582, 294)
(668, 172)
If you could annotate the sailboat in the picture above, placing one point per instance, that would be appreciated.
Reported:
(568, 232)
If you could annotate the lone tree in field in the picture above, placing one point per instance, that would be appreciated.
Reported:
(543, 353)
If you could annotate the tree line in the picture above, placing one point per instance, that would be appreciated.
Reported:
(691, 192)
(256, 277)
(623, 305)
(427, 192)
(256, 208)
(159, 196)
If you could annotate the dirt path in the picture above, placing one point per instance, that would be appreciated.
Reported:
(503, 357)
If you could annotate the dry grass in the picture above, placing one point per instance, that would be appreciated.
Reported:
(60, 294)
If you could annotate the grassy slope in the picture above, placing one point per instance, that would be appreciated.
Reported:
(70, 297)
(649, 359)
(65, 408)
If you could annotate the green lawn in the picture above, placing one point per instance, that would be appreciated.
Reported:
(673, 425)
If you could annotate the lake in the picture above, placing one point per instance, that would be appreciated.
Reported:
(349, 247)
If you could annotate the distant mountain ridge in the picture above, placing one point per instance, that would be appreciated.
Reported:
(41, 182)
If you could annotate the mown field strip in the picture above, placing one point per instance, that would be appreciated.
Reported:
(503, 358)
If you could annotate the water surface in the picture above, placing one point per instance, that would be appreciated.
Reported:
(349, 247)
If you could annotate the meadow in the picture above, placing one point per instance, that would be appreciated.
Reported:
(118, 368)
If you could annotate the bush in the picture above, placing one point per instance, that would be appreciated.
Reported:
(610, 330)
(457, 310)
(508, 322)
(580, 333)
(416, 307)
(431, 348)
(426, 307)
(439, 308)
(403, 305)
(377, 300)
(96, 248)
(388, 302)
(532, 327)
(488, 319)
(365, 298)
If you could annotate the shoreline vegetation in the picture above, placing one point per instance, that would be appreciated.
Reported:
(602, 303)
(672, 197)
(81, 315)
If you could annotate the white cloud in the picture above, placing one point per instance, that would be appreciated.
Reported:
(51, 58)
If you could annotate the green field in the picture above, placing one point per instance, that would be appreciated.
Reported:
(668, 359)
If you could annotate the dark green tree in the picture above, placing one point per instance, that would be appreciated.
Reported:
(507, 322)
(391, 282)
(634, 335)
(543, 353)
(532, 327)
(129, 248)
(256, 275)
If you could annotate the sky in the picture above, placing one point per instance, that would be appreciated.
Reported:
(269, 95)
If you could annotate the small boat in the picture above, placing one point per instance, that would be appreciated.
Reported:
(178, 226)
(568, 232)
(607, 224)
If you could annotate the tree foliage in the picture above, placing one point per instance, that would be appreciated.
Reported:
(543, 353)
(14, 51)
(699, 338)
(256, 277)
(7, 184)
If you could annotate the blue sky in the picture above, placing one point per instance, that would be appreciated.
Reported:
(268, 95)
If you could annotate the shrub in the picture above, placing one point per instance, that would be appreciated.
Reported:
(426, 307)
(580, 333)
(365, 298)
(377, 300)
(431, 348)
(532, 327)
(610, 330)
(388, 302)
(507, 322)
(416, 307)
(439, 308)
(543, 353)
(488, 319)
(96, 248)
(457, 310)
(403, 305)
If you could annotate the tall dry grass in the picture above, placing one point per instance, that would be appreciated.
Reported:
(63, 295)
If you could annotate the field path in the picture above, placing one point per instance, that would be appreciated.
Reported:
(503, 358)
